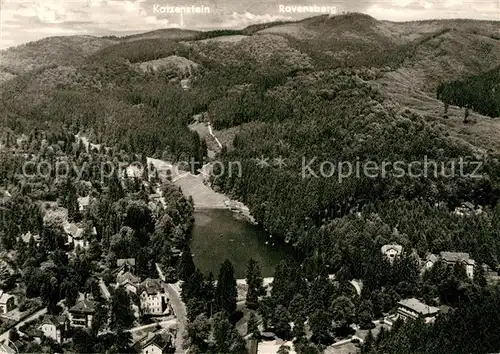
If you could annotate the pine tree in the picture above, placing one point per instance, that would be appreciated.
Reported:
(226, 337)
(70, 200)
(100, 317)
(365, 314)
(281, 322)
(298, 306)
(320, 325)
(254, 283)
(121, 315)
(479, 276)
(299, 331)
(209, 293)
(225, 291)
(186, 265)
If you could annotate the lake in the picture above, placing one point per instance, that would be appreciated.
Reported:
(218, 235)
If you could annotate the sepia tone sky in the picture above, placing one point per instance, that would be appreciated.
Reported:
(27, 20)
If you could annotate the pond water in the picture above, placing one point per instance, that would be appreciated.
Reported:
(219, 234)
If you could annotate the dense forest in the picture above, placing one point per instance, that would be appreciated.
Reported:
(121, 220)
(111, 102)
(296, 103)
(478, 92)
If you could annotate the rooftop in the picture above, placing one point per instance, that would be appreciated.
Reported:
(127, 261)
(431, 257)
(160, 339)
(151, 286)
(418, 306)
(4, 297)
(73, 230)
(394, 246)
(454, 257)
(55, 320)
(5, 349)
(83, 306)
(84, 201)
(127, 277)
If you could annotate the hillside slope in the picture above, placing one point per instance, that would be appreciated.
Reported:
(50, 51)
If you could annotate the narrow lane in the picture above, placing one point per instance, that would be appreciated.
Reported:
(173, 293)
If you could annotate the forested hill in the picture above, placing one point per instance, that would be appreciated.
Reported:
(342, 88)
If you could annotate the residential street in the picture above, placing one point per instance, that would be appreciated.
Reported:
(173, 292)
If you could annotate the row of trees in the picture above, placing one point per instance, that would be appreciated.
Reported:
(211, 308)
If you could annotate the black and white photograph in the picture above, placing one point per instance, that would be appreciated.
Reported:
(250, 176)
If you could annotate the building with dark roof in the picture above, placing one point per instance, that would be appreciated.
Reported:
(81, 314)
(452, 258)
(156, 343)
(129, 281)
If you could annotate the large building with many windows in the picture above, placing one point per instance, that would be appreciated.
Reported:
(414, 308)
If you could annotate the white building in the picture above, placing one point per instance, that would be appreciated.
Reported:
(83, 203)
(429, 261)
(391, 251)
(54, 327)
(413, 308)
(153, 298)
(7, 302)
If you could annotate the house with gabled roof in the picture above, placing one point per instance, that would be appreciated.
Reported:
(452, 258)
(391, 251)
(156, 343)
(73, 231)
(54, 327)
(83, 203)
(7, 302)
(429, 261)
(26, 237)
(76, 235)
(129, 281)
(81, 314)
(153, 298)
(125, 265)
